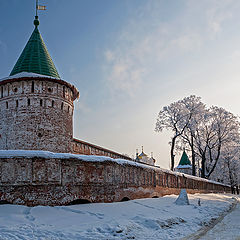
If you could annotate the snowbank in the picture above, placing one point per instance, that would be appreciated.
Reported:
(137, 219)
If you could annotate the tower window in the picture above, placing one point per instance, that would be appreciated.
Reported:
(50, 90)
(1, 92)
(41, 102)
(6, 105)
(32, 86)
(28, 102)
(16, 103)
(15, 89)
(52, 103)
(64, 91)
(68, 109)
(62, 106)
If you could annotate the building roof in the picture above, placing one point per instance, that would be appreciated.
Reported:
(184, 159)
(35, 57)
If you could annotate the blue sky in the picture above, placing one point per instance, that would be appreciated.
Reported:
(129, 58)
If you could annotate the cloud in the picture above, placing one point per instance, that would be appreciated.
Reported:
(219, 12)
(149, 40)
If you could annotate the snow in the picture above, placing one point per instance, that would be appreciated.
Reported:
(156, 218)
(184, 166)
(51, 155)
(26, 74)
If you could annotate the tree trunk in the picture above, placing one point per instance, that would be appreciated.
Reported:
(193, 158)
(216, 160)
(203, 167)
(172, 152)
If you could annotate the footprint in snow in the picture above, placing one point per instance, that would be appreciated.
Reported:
(72, 210)
(98, 215)
(27, 213)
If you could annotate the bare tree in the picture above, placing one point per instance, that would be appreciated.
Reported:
(174, 117)
(218, 127)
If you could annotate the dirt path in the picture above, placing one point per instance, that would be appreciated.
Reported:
(228, 228)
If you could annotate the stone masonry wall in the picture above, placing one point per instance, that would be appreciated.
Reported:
(81, 147)
(55, 181)
(36, 115)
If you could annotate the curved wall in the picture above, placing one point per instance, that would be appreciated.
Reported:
(60, 180)
(36, 114)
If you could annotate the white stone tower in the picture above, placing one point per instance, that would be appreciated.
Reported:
(36, 106)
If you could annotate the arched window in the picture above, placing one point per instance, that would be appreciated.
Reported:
(125, 199)
(32, 86)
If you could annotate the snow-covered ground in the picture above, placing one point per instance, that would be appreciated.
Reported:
(156, 218)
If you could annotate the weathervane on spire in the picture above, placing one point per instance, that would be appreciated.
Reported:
(38, 7)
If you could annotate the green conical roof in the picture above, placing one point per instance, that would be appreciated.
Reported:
(35, 57)
(184, 159)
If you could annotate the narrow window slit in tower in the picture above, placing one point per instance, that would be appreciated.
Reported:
(1, 92)
(52, 103)
(16, 103)
(32, 86)
(41, 102)
(68, 109)
(64, 91)
(28, 102)
(6, 105)
(62, 106)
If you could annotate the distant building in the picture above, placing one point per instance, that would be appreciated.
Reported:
(184, 165)
(143, 158)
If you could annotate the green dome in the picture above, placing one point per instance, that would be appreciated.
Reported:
(184, 159)
(35, 57)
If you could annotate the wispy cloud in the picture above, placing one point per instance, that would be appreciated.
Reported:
(148, 41)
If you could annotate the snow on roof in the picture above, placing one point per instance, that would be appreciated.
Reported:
(184, 166)
(26, 74)
(90, 158)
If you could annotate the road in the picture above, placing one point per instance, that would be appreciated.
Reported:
(227, 229)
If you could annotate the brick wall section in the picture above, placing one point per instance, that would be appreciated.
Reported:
(34, 181)
(82, 147)
(36, 114)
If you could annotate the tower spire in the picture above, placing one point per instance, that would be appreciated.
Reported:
(35, 57)
(38, 7)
